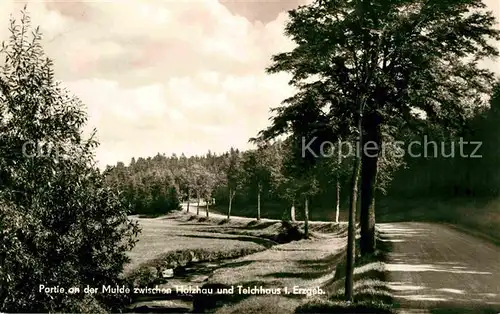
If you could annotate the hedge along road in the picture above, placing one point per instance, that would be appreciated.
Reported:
(438, 269)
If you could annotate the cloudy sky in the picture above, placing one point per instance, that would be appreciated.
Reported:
(167, 76)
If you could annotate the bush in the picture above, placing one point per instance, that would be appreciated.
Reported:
(289, 232)
(60, 223)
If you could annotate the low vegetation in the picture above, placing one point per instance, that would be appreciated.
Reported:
(371, 292)
(167, 243)
(245, 251)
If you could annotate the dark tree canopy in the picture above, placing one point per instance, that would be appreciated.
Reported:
(393, 56)
(363, 68)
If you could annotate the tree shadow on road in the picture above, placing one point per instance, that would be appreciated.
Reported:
(478, 310)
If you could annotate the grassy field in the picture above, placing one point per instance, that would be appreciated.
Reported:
(305, 264)
(243, 251)
(181, 231)
(169, 235)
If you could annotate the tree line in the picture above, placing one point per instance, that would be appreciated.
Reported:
(262, 179)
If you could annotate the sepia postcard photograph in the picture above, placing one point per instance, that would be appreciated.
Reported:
(250, 156)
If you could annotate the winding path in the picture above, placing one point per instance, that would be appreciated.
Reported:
(192, 210)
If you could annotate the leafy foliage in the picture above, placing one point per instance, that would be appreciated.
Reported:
(367, 68)
(60, 223)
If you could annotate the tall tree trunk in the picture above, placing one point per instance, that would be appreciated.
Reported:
(231, 195)
(372, 135)
(259, 190)
(351, 229)
(189, 199)
(292, 211)
(207, 211)
(306, 217)
(337, 203)
(198, 205)
(351, 232)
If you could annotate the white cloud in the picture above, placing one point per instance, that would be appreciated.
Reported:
(163, 76)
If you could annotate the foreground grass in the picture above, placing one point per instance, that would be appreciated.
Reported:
(168, 242)
(371, 292)
(304, 264)
(153, 269)
(180, 239)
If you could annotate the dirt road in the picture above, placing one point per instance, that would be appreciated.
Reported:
(192, 210)
(438, 269)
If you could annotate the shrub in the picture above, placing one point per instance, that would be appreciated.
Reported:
(60, 224)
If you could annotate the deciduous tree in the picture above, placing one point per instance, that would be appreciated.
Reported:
(379, 60)
(61, 224)
(233, 176)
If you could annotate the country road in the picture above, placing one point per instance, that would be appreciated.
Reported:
(192, 210)
(437, 269)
